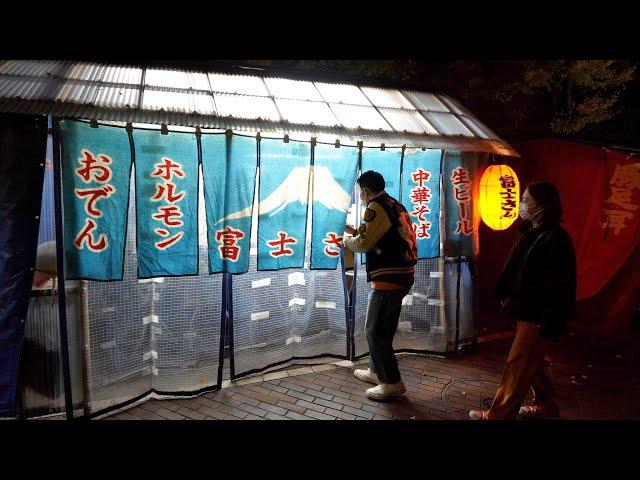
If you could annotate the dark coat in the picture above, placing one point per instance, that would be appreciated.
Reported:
(538, 281)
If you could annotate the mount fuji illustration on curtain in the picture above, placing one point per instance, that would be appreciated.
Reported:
(283, 197)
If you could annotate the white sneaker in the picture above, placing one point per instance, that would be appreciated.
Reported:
(366, 376)
(478, 415)
(386, 391)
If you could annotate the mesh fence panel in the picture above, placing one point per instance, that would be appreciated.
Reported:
(286, 314)
(187, 335)
(161, 334)
(118, 338)
(422, 323)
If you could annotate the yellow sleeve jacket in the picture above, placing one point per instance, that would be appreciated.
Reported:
(376, 224)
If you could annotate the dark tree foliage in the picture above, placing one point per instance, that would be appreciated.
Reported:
(569, 98)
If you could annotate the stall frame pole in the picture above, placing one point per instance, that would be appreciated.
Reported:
(60, 263)
(459, 271)
(347, 307)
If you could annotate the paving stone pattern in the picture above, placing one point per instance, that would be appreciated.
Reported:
(592, 382)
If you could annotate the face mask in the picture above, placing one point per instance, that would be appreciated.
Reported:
(525, 214)
(522, 211)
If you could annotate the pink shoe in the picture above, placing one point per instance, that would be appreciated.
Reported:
(478, 415)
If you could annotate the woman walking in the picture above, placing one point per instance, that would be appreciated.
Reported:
(537, 290)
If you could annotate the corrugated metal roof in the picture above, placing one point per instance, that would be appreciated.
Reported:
(383, 97)
(252, 101)
(407, 120)
(448, 124)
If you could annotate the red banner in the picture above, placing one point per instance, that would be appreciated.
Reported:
(616, 232)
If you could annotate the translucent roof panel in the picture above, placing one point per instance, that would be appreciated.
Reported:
(90, 72)
(176, 79)
(178, 102)
(353, 116)
(242, 106)
(454, 106)
(202, 103)
(292, 89)
(29, 67)
(426, 101)
(447, 124)
(199, 81)
(478, 128)
(166, 78)
(117, 97)
(241, 84)
(382, 97)
(244, 99)
(341, 93)
(300, 111)
(81, 92)
(405, 120)
(12, 87)
(132, 76)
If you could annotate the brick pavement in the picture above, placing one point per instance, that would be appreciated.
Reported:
(592, 381)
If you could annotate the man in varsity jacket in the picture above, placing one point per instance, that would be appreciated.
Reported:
(389, 240)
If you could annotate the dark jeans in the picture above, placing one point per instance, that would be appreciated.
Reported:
(383, 314)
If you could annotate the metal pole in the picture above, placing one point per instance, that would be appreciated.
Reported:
(458, 269)
(62, 305)
(232, 359)
(223, 331)
(347, 296)
(86, 346)
(357, 257)
(442, 222)
(152, 332)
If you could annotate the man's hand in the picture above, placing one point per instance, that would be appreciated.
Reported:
(350, 229)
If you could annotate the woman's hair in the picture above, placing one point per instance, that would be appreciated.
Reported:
(547, 197)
